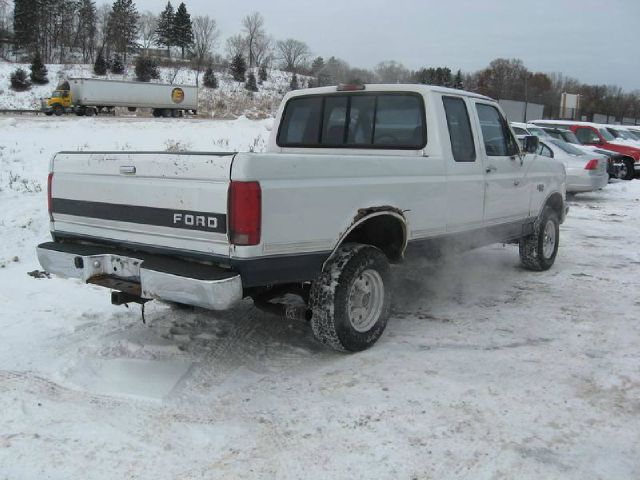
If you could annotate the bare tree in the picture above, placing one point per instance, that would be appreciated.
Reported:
(6, 18)
(147, 28)
(263, 50)
(293, 54)
(104, 11)
(236, 45)
(253, 25)
(391, 72)
(205, 36)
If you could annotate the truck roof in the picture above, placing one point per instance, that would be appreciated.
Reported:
(394, 87)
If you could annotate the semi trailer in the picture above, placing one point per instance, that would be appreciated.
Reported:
(90, 96)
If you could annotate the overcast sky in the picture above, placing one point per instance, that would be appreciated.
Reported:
(596, 41)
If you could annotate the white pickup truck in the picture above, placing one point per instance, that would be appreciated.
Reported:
(355, 178)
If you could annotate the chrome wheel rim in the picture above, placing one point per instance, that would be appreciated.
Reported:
(549, 239)
(366, 300)
(622, 173)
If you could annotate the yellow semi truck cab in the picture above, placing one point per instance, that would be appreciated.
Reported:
(61, 100)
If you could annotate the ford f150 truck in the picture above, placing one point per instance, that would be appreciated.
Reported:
(354, 178)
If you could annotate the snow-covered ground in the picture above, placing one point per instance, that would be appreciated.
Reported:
(211, 101)
(485, 370)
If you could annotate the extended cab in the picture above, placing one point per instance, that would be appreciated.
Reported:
(354, 178)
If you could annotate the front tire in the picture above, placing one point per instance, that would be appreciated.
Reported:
(538, 251)
(58, 110)
(351, 299)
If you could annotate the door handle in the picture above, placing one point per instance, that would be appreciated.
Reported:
(490, 169)
(127, 169)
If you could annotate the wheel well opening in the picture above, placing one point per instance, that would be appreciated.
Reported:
(386, 232)
(556, 203)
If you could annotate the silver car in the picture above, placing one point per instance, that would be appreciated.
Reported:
(585, 171)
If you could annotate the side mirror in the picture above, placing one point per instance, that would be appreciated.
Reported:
(530, 144)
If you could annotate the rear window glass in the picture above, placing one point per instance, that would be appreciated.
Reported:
(391, 121)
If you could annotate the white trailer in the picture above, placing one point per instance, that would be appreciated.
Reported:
(89, 96)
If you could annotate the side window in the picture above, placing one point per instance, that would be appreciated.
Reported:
(462, 146)
(544, 151)
(498, 140)
(301, 121)
(586, 135)
(519, 131)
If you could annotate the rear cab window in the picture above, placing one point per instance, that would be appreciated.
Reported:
(378, 120)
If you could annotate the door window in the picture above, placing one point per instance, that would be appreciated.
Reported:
(498, 140)
(586, 135)
(544, 151)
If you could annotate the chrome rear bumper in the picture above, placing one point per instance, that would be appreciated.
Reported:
(174, 280)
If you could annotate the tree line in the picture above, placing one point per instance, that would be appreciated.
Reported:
(67, 30)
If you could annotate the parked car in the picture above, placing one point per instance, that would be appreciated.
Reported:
(520, 128)
(616, 167)
(585, 172)
(621, 134)
(349, 183)
(598, 136)
(615, 161)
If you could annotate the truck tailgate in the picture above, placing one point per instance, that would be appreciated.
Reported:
(159, 199)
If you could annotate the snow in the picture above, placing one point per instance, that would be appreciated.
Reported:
(485, 371)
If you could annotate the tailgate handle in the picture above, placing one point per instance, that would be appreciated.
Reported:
(127, 169)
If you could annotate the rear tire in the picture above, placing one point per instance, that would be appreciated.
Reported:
(166, 113)
(351, 299)
(538, 251)
(627, 171)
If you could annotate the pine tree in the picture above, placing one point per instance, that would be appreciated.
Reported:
(25, 20)
(165, 29)
(210, 80)
(457, 81)
(238, 67)
(146, 68)
(182, 28)
(116, 65)
(251, 84)
(20, 81)
(294, 83)
(100, 67)
(38, 71)
(87, 28)
(317, 65)
(122, 26)
(262, 73)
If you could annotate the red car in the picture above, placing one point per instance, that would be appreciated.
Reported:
(598, 135)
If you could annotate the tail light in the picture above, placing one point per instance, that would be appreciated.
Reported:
(245, 213)
(50, 195)
(591, 165)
